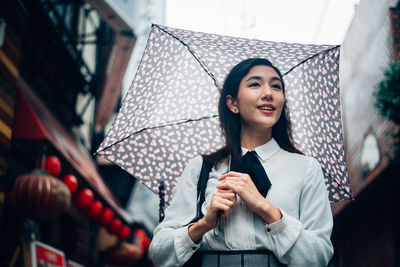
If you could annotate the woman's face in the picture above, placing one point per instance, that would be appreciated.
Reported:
(260, 98)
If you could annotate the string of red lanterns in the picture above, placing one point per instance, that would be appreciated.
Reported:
(29, 189)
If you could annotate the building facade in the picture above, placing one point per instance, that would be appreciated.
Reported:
(61, 69)
(366, 230)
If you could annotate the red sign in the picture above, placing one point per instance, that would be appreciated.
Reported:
(45, 256)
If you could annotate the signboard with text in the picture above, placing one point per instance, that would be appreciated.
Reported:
(46, 256)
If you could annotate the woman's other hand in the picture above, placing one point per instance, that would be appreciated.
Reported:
(241, 184)
(221, 203)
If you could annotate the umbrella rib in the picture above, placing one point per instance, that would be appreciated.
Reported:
(311, 57)
(159, 126)
(349, 194)
(203, 65)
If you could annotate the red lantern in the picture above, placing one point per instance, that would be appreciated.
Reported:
(106, 217)
(39, 195)
(114, 226)
(124, 232)
(71, 182)
(52, 165)
(95, 209)
(84, 198)
(129, 254)
(124, 254)
(141, 240)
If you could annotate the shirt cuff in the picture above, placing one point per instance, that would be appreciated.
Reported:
(184, 245)
(277, 226)
(284, 222)
(282, 235)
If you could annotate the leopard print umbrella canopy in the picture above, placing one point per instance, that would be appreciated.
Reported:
(170, 115)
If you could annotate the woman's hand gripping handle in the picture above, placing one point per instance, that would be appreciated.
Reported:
(221, 203)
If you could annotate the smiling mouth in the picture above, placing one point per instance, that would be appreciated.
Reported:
(267, 108)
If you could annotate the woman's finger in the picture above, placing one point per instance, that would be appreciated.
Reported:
(224, 201)
(237, 186)
(228, 186)
(232, 199)
(225, 191)
(224, 206)
(235, 181)
(231, 173)
(226, 194)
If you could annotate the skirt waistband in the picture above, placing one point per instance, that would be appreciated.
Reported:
(239, 258)
(234, 252)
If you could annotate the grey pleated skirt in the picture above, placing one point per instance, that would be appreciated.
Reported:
(243, 258)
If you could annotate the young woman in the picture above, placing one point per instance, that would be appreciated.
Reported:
(265, 203)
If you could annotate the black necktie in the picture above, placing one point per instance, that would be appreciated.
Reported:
(250, 164)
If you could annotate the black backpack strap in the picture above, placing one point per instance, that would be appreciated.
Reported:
(196, 259)
(201, 188)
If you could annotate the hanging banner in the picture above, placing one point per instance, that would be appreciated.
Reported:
(46, 256)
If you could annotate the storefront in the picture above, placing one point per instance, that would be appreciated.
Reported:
(85, 224)
(58, 62)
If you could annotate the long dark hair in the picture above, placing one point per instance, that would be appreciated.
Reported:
(230, 122)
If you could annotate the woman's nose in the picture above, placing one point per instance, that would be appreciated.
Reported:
(267, 92)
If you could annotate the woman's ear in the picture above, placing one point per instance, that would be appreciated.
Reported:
(232, 104)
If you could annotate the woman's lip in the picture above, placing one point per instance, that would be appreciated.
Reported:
(267, 105)
(267, 111)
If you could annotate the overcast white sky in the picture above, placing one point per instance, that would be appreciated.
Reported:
(300, 21)
(295, 21)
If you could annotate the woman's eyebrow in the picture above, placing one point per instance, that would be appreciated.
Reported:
(259, 78)
(254, 78)
(275, 78)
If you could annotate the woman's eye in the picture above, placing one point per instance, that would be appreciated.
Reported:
(277, 86)
(254, 84)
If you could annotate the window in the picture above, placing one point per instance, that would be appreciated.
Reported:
(370, 154)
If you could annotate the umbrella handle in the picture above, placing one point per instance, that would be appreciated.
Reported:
(161, 196)
(217, 228)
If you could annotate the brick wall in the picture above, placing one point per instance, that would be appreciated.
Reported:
(365, 54)
(366, 231)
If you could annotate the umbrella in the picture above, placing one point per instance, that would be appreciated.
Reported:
(169, 114)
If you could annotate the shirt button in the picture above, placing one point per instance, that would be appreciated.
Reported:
(194, 248)
(268, 229)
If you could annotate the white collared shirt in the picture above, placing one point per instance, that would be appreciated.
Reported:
(300, 238)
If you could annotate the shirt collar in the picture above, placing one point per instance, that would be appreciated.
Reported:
(266, 150)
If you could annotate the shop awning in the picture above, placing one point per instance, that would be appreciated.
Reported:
(34, 121)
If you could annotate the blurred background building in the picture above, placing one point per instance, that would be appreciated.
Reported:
(366, 230)
(65, 67)
(62, 65)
